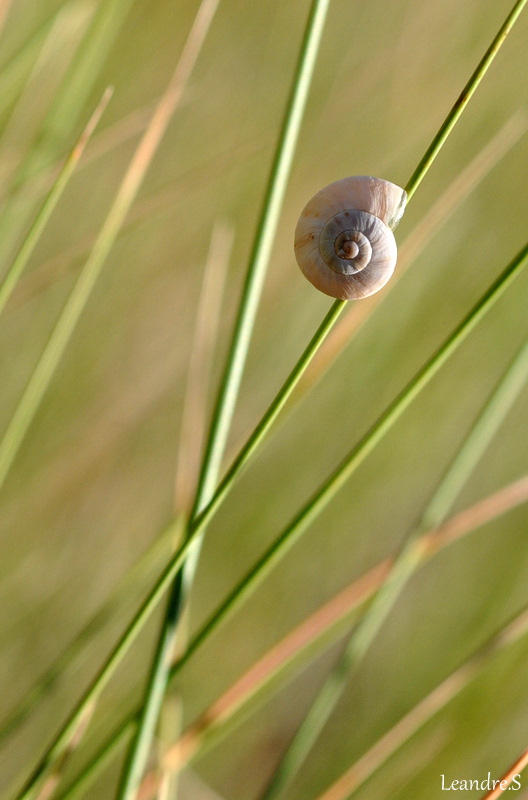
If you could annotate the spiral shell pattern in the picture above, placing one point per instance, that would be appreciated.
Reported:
(344, 242)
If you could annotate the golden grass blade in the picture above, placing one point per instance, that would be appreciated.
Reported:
(505, 782)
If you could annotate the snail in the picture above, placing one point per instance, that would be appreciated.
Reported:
(344, 242)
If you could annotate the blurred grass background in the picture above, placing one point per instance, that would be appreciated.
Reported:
(94, 481)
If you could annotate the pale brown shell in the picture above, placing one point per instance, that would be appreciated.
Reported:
(344, 242)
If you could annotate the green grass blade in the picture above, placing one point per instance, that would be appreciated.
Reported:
(464, 98)
(260, 256)
(15, 72)
(228, 391)
(271, 414)
(19, 263)
(409, 559)
(64, 111)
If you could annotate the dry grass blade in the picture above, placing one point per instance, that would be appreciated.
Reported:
(514, 772)
(54, 268)
(485, 510)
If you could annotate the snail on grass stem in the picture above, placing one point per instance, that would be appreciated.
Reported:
(344, 242)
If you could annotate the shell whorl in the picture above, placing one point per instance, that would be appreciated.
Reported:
(344, 242)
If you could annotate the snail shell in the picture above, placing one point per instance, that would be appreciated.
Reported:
(344, 242)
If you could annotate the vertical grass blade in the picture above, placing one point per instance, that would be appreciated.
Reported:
(228, 391)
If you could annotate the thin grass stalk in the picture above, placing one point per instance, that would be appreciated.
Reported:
(126, 194)
(357, 775)
(228, 391)
(193, 426)
(464, 98)
(297, 649)
(406, 563)
(22, 257)
(105, 756)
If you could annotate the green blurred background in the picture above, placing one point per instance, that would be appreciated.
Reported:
(93, 484)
